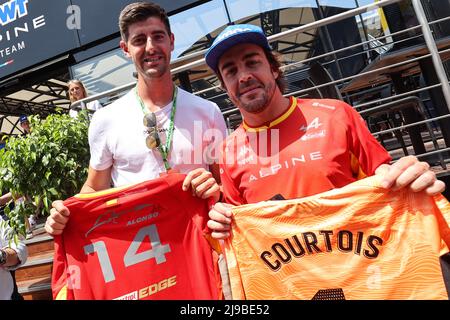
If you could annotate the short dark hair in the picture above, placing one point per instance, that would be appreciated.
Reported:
(275, 64)
(138, 12)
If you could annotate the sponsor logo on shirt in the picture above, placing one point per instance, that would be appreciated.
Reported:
(157, 287)
(245, 156)
(286, 165)
(321, 105)
(314, 135)
(130, 296)
(313, 125)
(261, 148)
(150, 290)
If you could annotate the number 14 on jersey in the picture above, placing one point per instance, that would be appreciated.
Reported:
(158, 251)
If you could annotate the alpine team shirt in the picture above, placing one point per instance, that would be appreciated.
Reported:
(315, 146)
(145, 241)
(358, 242)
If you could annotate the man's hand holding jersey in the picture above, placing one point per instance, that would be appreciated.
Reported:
(220, 223)
(406, 172)
(412, 173)
(200, 181)
(57, 220)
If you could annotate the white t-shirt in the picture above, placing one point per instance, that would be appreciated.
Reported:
(117, 138)
(6, 240)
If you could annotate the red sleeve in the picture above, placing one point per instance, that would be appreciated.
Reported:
(231, 193)
(60, 290)
(199, 209)
(368, 153)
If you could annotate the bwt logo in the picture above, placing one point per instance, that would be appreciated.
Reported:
(232, 32)
(12, 10)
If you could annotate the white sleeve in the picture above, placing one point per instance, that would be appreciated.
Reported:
(8, 241)
(101, 155)
(94, 105)
(73, 113)
(216, 134)
(220, 121)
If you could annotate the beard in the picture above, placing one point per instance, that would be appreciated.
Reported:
(153, 72)
(258, 101)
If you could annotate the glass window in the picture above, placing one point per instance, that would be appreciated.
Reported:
(362, 3)
(373, 25)
(104, 72)
(348, 4)
(191, 25)
(240, 9)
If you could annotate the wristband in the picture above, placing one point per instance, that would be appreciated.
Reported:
(3, 256)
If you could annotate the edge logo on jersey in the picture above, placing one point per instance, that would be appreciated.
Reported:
(357, 242)
(145, 241)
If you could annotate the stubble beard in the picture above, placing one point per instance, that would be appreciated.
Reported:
(155, 72)
(258, 103)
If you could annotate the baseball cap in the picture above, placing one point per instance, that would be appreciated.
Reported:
(23, 119)
(231, 36)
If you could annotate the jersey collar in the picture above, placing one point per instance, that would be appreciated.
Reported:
(284, 116)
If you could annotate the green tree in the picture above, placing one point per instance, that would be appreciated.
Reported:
(48, 164)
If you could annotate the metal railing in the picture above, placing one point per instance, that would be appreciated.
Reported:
(318, 57)
(201, 61)
(429, 40)
(380, 102)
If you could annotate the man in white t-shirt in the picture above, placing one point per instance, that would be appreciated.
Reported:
(13, 254)
(156, 127)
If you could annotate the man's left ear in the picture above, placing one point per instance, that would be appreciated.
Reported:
(172, 42)
(222, 85)
(275, 74)
(124, 48)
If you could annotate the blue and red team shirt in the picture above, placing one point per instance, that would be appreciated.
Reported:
(146, 241)
(315, 146)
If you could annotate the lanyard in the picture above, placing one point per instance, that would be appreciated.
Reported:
(164, 150)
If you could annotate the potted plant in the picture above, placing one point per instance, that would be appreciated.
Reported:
(48, 164)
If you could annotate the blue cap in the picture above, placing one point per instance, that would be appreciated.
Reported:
(231, 36)
(23, 119)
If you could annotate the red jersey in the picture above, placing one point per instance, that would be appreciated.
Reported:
(357, 242)
(145, 241)
(315, 146)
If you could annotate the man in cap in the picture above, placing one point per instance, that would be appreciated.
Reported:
(25, 124)
(322, 144)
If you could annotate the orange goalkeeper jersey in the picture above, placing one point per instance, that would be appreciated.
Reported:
(357, 242)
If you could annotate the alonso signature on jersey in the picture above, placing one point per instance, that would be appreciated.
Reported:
(112, 216)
